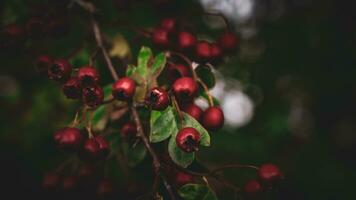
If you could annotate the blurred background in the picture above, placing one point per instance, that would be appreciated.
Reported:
(288, 95)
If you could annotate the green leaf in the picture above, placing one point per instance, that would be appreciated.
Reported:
(178, 156)
(81, 58)
(107, 91)
(134, 154)
(189, 121)
(144, 57)
(206, 75)
(196, 192)
(158, 65)
(130, 71)
(163, 124)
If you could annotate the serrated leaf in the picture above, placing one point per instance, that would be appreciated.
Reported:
(178, 156)
(144, 57)
(189, 121)
(163, 124)
(158, 65)
(135, 154)
(206, 75)
(196, 191)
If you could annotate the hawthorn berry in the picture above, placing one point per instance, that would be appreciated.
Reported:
(157, 99)
(60, 70)
(216, 53)
(169, 24)
(188, 139)
(182, 178)
(203, 51)
(175, 71)
(269, 173)
(213, 118)
(193, 110)
(35, 28)
(124, 89)
(252, 187)
(50, 181)
(42, 63)
(186, 41)
(93, 96)
(88, 76)
(185, 89)
(72, 88)
(228, 42)
(128, 129)
(68, 138)
(160, 37)
(95, 149)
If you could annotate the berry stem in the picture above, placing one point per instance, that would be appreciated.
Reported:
(206, 89)
(176, 106)
(75, 120)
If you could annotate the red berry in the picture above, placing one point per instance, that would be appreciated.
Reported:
(124, 89)
(69, 182)
(42, 63)
(228, 42)
(193, 110)
(12, 35)
(168, 24)
(216, 54)
(176, 71)
(182, 178)
(213, 118)
(50, 181)
(185, 89)
(188, 139)
(186, 40)
(105, 188)
(93, 96)
(95, 149)
(269, 173)
(60, 70)
(128, 129)
(160, 37)
(88, 76)
(72, 88)
(157, 99)
(252, 186)
(203, 51)
(68, 138)
(35, 28)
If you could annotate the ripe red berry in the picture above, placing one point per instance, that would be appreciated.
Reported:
(269, 173)
(160, 37)
(128, 129)
(193, 110)
(69, 183)
(168, 24)
(68, 138)
(105, 188)
(175, 71)
(252, 186)
(93, 96)
(50, 181)
(188, 139)
(186, 41)
(12, 35)
(72, 88)
(35, 28)
(95, 149)
(203, 51)
(60, 70)
(213, 118)
(157, 99)
(42, 63)
(182, 178)
(88, 76)
(228, 42)
(124, 89)
(185, 89)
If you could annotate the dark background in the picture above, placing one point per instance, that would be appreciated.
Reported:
(306, 65)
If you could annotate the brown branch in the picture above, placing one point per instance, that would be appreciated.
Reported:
(156, 161)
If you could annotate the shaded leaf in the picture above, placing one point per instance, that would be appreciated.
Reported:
(158, 65)
(144, 57)
(206, 75)
(196, 191)
(134, 154)
(163, 124)
(120, 47)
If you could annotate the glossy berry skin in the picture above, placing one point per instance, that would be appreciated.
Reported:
(160, 37)
(124, 89)
(252, 187)
(69, 183)
(93, 96)
(128, 129)
(228, 42)
(193, 110)
(182, 178)
(95, 149)
(188, 139)
(42, 63)
(169, 24)
(157, 99)
(72, 88)
(88, 76)
(60, 70)
(203, 51)
(269, 173)
(68, 138)
(185, 89)
(175, 71)
(186, 41)
(35, 28)
(213, 118)
(51, 181)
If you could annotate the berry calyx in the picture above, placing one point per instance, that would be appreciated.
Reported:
(157, 99)
(68, 138)
(95, 149)
(93, 96)
(160, 37)
(252, 187)
(186, 40)
(88, 76)
(124, 89)
(185, 89)
(72, 88)
(213, 118)
(128, 129)
(182, 178)
(60, 70)
(269, 173)
(228, 42)
(188, 139)
(176, 71)
(193, 110)
(42, 63)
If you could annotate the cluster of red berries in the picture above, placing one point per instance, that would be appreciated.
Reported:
(168, 36)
